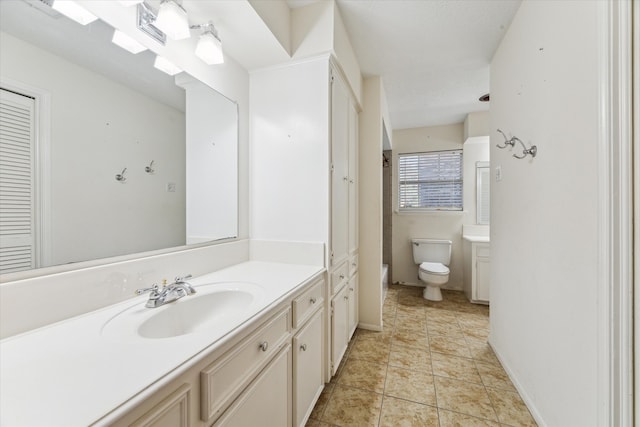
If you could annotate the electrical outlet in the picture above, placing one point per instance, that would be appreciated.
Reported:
(498, 173)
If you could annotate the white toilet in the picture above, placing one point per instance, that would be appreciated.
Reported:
(433, 257)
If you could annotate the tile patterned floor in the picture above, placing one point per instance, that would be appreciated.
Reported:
(431, 366)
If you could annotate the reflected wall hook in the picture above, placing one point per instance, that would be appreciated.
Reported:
(149, 169)
(512, 142)
(120, 177)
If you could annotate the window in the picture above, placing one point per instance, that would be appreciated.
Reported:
(431, 181)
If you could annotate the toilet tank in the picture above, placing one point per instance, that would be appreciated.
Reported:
(431, 250)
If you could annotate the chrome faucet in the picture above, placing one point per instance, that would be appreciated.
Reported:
(168, 293)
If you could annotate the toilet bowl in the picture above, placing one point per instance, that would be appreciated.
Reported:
(433, 257)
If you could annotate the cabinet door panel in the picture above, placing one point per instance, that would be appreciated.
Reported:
(339, 327)
(308, 380)
(339, 172)
(171, 412)
(352, 293)
(482, 279)
(266, 400)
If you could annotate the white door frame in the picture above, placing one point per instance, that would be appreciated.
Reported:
(615, 201)
(636, 195)
(42, 167)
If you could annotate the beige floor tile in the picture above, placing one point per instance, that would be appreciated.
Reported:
(321, 404)
(415, 359)
(410, 338)
(494, 376)
(459, 368)
(415, 386)
(363, 374)
(384, 337)
(316, 423)
(449, 329)
(454, 419)
(439, 315)
(370, 350)
(353, 407)
(411, 324)
(402, 413)
(446, 345)
(466, 398)
(511, 409)
(482, 351)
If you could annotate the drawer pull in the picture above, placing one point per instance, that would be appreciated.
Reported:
(312, 300)
(264, 346)
(341, 276)
(303, 347)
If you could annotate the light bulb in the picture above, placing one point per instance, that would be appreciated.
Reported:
(172, 20)
(73, 10)
(163, 64)
(126, 42)
(209, 49)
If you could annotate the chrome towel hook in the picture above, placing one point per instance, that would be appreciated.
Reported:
(120, 177)
(533, 150)
(149, 169)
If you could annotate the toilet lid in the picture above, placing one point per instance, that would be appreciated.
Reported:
(434, 268)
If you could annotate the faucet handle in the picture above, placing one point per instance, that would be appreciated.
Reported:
(152, 289)
(180, 279)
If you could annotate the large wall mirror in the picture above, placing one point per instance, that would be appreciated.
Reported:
(124, 159)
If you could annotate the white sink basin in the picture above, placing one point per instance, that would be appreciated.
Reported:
(214, 306)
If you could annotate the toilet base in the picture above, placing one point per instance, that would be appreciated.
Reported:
(432, 293)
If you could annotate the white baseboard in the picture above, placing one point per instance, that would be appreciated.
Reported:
(370, 327)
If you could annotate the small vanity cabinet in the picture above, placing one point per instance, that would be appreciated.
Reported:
(273, 370)
(477, 257)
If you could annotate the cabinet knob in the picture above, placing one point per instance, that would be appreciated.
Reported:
(264, 346)
(345, 179)
(312, 300)
(346, 297)
(351, 289)
(341, 276)
(351, 181)
(303, 347)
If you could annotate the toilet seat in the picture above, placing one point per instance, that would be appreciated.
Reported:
(435, 268)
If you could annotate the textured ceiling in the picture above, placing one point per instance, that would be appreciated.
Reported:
(433, 55)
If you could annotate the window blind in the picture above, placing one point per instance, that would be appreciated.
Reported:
(430, 180)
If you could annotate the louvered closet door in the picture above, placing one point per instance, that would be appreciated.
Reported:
(16, 182)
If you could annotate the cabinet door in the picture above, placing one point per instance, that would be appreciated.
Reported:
(352, 289)
(173, 411)
(339, 171)
(308, 380)
(266, 400)
(353, 179)
(339, 327)
(482, 278)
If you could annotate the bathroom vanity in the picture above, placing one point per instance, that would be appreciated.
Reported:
(260, 357)
(477, 257)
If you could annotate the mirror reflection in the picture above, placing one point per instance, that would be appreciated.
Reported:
(105, 156)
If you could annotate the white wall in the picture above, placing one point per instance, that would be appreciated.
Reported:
(290, 152)
(370, 208)
(98, 128)
(544, 224)
(437, 225)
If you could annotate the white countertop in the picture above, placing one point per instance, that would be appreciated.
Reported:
(70, 374)
(476, 239)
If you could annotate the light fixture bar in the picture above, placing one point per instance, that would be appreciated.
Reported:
(146, 18)
(126, 42)
(74, 11)
(163, 64)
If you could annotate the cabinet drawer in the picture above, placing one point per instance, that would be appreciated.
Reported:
(304, 305)
(224, 379)
(483, 250)
(353, 265)
(339, 277)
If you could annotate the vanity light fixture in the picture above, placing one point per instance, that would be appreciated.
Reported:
(172, 20)
(129, 2)
(127, 43)
(163, 64)
(73, 10)
(209, 47)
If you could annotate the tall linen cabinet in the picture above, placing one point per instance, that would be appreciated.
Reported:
(304, 141)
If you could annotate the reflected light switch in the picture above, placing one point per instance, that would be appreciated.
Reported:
(498, 173)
